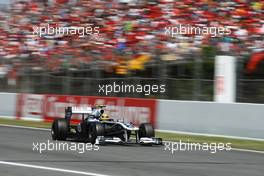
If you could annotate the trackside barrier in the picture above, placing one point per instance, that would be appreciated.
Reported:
(8, 105)
(48, 107)
(228, 119)
(234, 119)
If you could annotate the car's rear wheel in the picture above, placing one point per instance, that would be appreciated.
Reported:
(84, 131)
(146, 130)
(59, 129)
(95, 129)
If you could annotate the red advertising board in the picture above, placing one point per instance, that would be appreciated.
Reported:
(30, 106)
(53, 106)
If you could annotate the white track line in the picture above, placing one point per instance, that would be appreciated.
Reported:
(45, 129)
(51, 168)
(246, 150)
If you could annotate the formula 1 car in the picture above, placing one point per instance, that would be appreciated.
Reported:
(97, 128)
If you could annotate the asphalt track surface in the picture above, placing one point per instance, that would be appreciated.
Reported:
(16, 147)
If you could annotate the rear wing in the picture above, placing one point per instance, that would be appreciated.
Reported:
(81, 110)
(76, 110)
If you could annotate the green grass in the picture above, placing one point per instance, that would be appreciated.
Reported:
(25, 123)
(235, 143)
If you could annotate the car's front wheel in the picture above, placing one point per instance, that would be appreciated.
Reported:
(146, 130)
(95, 129)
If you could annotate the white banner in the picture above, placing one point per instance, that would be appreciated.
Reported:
(225, 79)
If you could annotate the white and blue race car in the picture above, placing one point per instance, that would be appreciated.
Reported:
(97, 127)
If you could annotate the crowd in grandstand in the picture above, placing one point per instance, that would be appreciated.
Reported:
(127, 29)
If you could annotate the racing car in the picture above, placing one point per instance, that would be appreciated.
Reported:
(97, 127)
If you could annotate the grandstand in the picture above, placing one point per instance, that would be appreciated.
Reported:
(132, 44)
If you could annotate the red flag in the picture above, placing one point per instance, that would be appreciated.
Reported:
(254, 60)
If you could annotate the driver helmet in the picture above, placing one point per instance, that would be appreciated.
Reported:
(104, 117)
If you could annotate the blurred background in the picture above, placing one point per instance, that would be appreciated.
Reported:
(133, 47)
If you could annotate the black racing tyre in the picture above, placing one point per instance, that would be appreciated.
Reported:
(95, 129)
(84, 130)
(146, 130)
(100, 129)
(59, 129)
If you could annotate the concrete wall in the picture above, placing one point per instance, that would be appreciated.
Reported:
(8, 104)
(235, 119)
